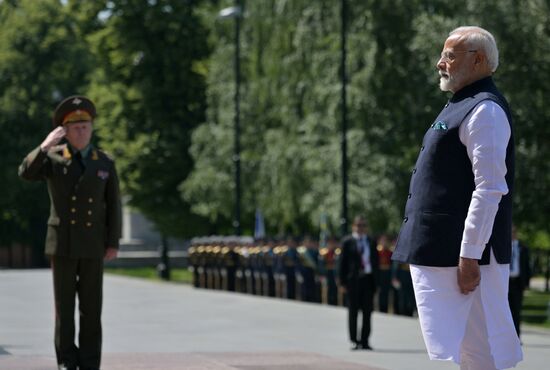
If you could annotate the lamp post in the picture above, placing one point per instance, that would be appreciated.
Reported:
(236, 13)
(344, 147)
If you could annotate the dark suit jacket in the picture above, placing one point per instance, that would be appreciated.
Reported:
(85, 214)
(350, 260)
(524, 265)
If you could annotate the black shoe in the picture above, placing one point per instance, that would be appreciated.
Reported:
(366, 347)
(65, 367)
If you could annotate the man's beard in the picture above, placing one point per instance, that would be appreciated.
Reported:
(448, 82)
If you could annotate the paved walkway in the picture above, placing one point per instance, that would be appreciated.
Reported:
(153, 325)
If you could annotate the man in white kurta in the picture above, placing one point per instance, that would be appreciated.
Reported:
(463, 308)
(475, 330)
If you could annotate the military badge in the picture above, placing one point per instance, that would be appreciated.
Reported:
(103, 175)
(66, 153)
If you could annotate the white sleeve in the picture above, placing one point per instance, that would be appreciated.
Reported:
(485, 132)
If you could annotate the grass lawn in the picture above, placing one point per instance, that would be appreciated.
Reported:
(535, 306)
(177, 275)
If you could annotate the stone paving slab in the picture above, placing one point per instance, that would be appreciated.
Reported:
(155, 325)
(196, 361)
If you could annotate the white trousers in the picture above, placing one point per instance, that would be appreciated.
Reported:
(474, 330)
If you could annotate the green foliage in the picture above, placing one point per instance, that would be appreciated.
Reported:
(149, 87)
(161, 72)
(291, 107)
(177, 275)
(291, 116)
(535, 308)
(42, 59)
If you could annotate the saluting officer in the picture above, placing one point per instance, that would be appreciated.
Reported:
(83, 227)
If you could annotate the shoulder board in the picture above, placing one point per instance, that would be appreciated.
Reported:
(103, 155)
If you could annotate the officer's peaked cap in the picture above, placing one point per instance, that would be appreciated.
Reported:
(74, 109)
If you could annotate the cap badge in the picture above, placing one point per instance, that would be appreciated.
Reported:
(76, 101)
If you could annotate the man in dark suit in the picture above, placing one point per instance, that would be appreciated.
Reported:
(357, 275)
(83, 227)
(520, 274)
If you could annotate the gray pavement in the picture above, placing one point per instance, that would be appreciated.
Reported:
(153, 325)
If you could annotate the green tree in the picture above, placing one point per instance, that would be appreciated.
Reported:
(523, 32)
(291, 97)
(291, 118)
(42, 59)
(149, 88)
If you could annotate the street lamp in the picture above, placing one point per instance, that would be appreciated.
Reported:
(344, 147)
(236, 13)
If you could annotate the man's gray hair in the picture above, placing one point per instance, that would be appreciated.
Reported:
(478, 37)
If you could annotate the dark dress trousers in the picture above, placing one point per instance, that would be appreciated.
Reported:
(518, 284)
(360, 287)
(85, 219)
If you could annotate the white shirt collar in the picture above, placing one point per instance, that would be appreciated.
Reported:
(358, 236)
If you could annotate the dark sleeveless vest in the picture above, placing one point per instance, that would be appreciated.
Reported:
(441, 189)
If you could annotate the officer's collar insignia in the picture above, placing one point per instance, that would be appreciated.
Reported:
(76, 101)
(439, 125)
(95, 157)
(66, 153)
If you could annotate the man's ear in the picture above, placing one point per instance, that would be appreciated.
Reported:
(480, 58)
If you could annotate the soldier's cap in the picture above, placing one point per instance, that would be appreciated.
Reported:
(76, 108)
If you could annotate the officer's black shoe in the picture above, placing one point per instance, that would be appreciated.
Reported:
(65, 367)
(366, 346)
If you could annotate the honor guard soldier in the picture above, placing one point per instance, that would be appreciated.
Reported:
(217, 265)
(192, 257)
(209, 266)
(246, 257)
(240, 281)
(327, 265)
(290, 260)
(257, 266)
(230, 260)
(83, 226)
(404, 303)
(268, 274)
(278, 273)
(309, 268)
(384, 275)
(244, 270)
(201, 269)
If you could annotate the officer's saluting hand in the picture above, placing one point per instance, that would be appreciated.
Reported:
(53, 138)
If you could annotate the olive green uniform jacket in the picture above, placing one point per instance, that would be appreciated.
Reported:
(85, 214)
